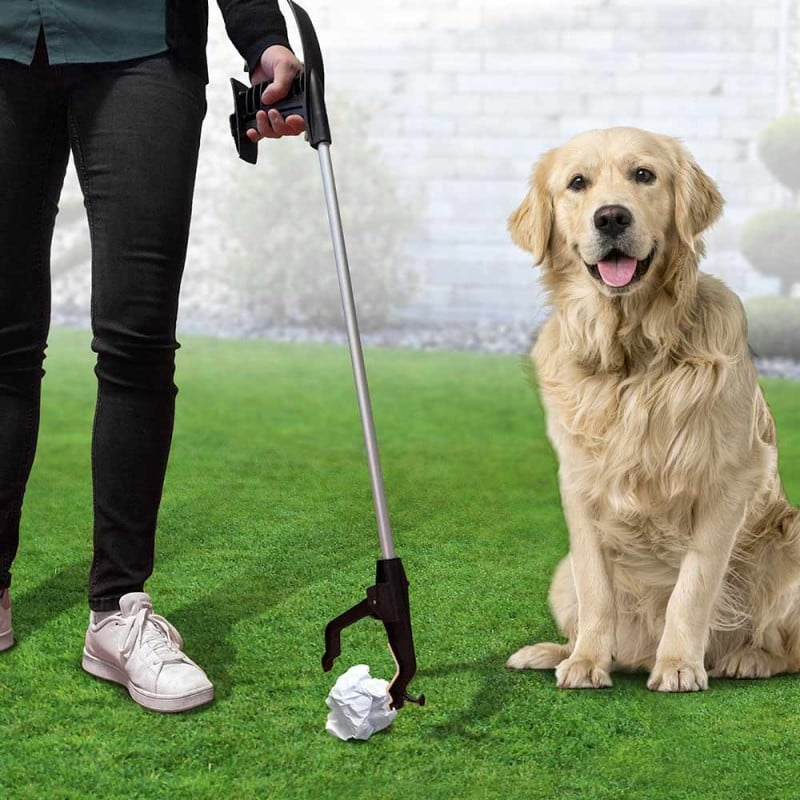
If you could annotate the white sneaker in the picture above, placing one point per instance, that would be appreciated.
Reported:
(6, 632)
(142, 651)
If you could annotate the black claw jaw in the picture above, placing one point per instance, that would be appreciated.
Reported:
(387, 601)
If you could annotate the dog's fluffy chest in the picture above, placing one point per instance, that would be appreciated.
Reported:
(633, 446)
(630, 454)
(642, 444)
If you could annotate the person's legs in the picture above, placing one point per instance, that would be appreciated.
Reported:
(135, 131)
(33, 160)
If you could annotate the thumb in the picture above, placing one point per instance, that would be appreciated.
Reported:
(279, 88)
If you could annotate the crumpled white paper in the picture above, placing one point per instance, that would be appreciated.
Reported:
(359, 705)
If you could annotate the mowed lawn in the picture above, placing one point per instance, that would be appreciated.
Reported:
(267, 531)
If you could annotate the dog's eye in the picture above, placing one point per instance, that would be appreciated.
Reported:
(577, 184)
(643, 175)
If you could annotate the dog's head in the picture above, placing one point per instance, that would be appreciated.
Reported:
(612, 207)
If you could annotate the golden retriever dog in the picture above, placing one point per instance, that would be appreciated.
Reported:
(684, 554)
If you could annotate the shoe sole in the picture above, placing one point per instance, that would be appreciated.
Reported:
(153, 702)
(6, 640)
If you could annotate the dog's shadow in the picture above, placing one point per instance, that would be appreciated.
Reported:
(499, 685)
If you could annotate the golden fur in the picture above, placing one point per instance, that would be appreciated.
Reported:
(684, 552)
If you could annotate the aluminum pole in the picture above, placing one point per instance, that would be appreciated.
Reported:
(356, 354)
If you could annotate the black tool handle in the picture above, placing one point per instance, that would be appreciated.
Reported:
(247, 103)
(306, 96)
(291, 104)
(317, 126)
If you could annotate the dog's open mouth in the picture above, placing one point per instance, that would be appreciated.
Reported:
(618, 270)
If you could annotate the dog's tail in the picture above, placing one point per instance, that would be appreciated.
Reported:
(790, 530)
(545, 655)
(790, 535)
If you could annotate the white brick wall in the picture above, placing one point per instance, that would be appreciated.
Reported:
(525, 75)
(792, 44)
(467, 93)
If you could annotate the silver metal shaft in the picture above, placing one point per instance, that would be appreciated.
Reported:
(356, 354)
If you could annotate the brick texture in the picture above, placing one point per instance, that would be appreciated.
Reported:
(467, 93)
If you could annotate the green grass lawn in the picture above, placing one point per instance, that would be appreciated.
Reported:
(267, 531)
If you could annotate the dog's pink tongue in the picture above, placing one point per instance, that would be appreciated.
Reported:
(617, 271)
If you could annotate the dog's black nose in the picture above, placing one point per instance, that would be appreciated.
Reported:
(612, 220)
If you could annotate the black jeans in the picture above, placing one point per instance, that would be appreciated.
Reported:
(134, 130)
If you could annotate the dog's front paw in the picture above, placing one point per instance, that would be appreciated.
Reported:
(577, 672)
(677, 675)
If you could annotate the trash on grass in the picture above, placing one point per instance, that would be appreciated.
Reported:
(359, 705)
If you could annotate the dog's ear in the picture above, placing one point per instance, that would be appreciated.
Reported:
(532, 223)
(698, 202)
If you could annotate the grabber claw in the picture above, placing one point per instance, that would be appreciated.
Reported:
(387, 601)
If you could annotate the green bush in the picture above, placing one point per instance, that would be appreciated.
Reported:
(779, 148)
(774, 326)
(770, 241)
(282, 268)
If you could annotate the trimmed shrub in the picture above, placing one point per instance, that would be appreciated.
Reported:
(282, 268)
(779, 149)
(774, 326)
(770, 241)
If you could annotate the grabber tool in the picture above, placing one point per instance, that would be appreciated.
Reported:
(387, 600)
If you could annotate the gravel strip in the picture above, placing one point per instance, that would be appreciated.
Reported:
(778, 368)
(485, 337)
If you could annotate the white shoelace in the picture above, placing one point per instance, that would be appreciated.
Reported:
(155, 631)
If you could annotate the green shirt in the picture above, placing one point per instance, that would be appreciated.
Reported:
(78, 31)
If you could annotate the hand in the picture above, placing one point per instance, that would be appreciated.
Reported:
(278, 64)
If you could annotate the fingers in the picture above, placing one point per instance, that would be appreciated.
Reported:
(283, 66)
(264, 126)
(273, 126)
(296, 124)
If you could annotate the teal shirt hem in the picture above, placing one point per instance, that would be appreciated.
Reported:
(78, 32)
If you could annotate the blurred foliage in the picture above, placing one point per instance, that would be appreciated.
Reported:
(282, 268)
(774, 326)
(779, 148)
(770, 241)
(71, 243)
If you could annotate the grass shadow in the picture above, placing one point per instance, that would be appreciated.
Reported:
(490, 699)
(206, 623)
(62, 591)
